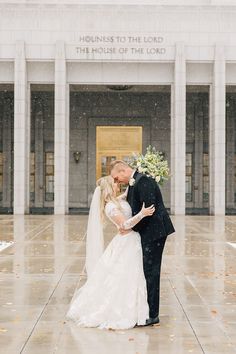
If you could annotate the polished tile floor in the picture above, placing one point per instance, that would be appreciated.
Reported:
(41, 269)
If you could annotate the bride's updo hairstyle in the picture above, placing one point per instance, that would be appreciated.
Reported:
(106, 185)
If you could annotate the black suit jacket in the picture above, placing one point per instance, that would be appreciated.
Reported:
(146, 190)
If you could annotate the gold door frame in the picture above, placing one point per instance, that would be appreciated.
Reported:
(118, 142)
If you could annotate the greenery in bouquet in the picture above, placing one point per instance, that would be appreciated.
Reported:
(152, 164)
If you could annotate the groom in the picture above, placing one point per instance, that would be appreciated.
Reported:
(153, 229)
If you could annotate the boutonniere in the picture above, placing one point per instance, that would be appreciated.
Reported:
(131, 182)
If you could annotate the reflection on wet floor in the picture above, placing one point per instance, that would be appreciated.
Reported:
(40, 271)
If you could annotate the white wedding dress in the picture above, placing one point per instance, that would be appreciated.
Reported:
(115, 294)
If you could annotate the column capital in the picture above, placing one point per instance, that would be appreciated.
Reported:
(219, 50)
(60, 50)
(179, 50)
(20, 49)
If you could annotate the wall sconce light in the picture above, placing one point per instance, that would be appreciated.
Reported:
(163, 154)
(77, 155)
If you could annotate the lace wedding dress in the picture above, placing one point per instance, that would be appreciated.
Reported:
(115, 294)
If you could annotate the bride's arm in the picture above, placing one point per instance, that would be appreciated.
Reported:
(122, 223)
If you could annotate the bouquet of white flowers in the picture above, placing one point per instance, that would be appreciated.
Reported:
(152, 164)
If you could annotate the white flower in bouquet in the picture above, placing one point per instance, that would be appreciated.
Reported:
(131, 182)
(152, 164)
(140, 169)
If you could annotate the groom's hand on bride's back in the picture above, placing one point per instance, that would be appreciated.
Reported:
(147, 211)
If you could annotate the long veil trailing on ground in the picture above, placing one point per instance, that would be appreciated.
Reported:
(95, 238)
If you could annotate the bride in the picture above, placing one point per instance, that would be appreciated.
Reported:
(114, 295)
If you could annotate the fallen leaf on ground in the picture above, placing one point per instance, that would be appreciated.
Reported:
(2, 330)
(214, 312)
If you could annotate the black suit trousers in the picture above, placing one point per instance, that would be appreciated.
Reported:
(152, 256)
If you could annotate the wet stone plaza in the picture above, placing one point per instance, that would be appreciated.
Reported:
(43, 264)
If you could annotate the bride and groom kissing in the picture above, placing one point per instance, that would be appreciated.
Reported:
(122, 290)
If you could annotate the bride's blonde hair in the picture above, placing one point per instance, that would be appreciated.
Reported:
(106, 185)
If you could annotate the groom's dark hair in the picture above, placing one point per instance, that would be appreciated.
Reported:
(118, 162)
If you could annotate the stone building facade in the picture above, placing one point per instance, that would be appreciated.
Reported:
(69, 67)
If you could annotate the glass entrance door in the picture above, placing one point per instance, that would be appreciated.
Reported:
(116, 143)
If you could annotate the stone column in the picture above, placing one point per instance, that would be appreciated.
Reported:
(178, 133)
(21, 133)
(61, 138)
(217, 136)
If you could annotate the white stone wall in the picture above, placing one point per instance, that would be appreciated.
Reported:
(60, 42)
(200, 27)
(128, 2)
